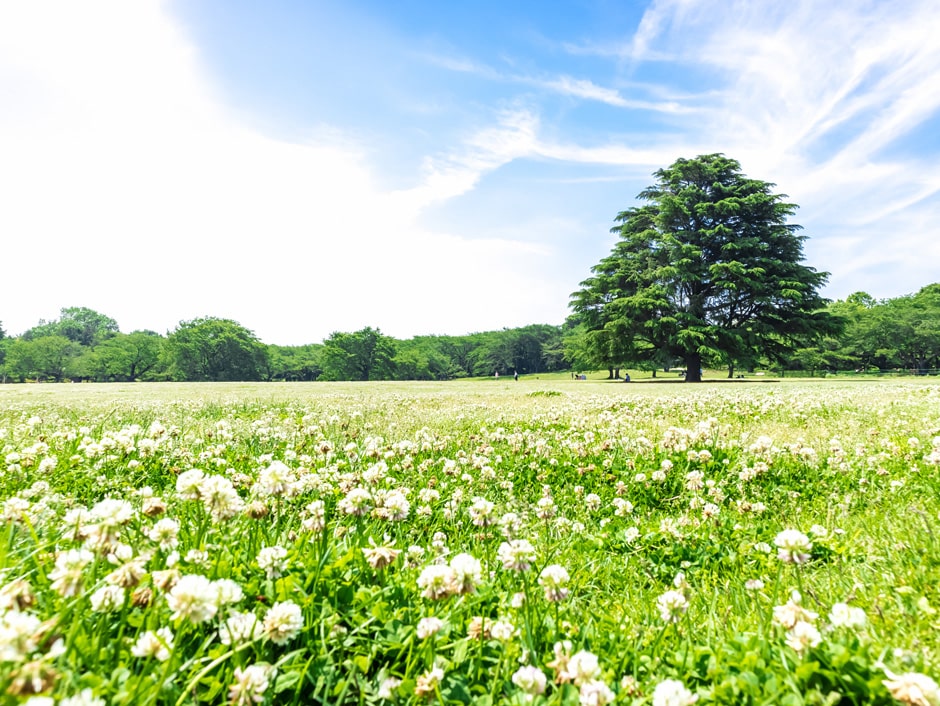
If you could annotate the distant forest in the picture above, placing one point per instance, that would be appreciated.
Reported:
(85, 345)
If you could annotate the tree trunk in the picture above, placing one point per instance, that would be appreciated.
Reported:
(654, 372)
(610, 373)
(693, 367)
(616, 373)
(730, 370)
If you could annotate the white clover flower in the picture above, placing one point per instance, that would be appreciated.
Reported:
(107, 599)
(220, 498)
(67, 576)
(164, 533)
(792, 612)
(86, 697)
(754, 585)
(671, 692)
(387, 687)
(358, 501)
(793, 546)
(283, 622)
(516, 555)
(193, 597)
(250, 684)
(481, 512)
(502, 630)
(276, 479)
(437, 580)
(396, 506)
(188, 484)
(228, 591)
(240, 628)
(595, 693)
(531, 680)
(273, 561)
(553, 580)
(19, 634)
(428, 682)
(467, 572)
(157, 645)
(913, 688)
(428, 626)
(380, 556)
(843, 615)
(803, 635)
(672, 605)
(582, 667)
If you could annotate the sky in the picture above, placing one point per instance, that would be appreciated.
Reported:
(305, 167)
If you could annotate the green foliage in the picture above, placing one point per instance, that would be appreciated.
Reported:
(79, 324)
(212, 349)
(366, 354)
(707, 267)
(42, 358)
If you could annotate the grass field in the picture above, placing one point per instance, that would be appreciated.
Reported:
(547, 541)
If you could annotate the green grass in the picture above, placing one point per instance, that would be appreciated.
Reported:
(635, 490)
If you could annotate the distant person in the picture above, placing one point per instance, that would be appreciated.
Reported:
(626, 377)
(496, 375)
(515, 376)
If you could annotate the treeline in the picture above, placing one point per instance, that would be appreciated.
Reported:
(902, 333)
(888, 334)
(85, 345)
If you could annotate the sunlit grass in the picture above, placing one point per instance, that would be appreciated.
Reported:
(367, 542)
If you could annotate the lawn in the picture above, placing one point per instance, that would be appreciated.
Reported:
(546, 541)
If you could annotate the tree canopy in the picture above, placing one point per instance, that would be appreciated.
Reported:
(708, 268)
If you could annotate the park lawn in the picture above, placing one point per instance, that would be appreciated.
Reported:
(470, 542)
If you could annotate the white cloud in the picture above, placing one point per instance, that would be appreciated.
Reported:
(130, 189)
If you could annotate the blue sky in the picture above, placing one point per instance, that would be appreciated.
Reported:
(308, 167)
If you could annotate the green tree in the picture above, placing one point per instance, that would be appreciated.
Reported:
(76, 323)
(707, 267)
(131, 356)
(43, 358)
(366, 354)
(211, 349)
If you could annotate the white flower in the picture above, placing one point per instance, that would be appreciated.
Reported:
(67, 575)
(157, 644)
(553, 579)
(428, 626)
(428, 682)
(250, 684)
(672, 604)
(387, 688)
(531, 680)
(283, 622)
(754, 585)
(913, 688)
(228, 591)
(793, 546)
(273, 561)
(358, 501)
(188, 483)
(671, 692)
(107, 599)
(18, 635)
(467, 572)
(164, 533)
(595, 693)
(843, 615)
(220, 498)
(193, 597)
(516, 554)
(502, 630)
(86, 697)
(582, 667)
(240, 628)
(803, 635)
(437, 581)
(481, 512)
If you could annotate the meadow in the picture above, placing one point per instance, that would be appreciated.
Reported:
(492, 542)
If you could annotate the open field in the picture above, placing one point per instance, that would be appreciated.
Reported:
(545, 541)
